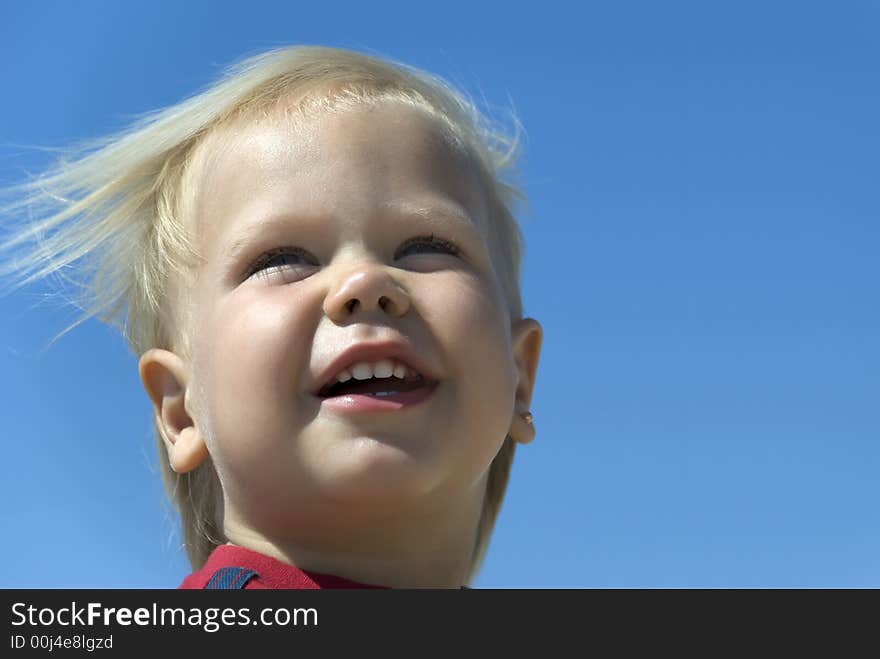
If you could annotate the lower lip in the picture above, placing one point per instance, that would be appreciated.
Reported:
(366, 403)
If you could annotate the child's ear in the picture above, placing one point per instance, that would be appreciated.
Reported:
(165, 378)
(526, 337)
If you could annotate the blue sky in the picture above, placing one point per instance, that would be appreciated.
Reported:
(701, 251)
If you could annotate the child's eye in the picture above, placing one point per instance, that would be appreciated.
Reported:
(276, 260)
(427, 243)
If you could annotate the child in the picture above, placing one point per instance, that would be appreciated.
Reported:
(317, 263)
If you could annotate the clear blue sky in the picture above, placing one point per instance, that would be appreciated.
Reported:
(702, 252)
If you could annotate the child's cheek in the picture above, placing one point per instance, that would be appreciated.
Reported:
(474, 331)
(252, 363)
(472, 320)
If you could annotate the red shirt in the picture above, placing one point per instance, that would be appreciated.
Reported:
(270, 574)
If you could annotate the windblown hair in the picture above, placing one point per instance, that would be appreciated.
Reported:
(113, 208)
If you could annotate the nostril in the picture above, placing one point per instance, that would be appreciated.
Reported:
(351, 305)
(384, 302)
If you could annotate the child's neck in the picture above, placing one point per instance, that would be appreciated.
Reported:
(431, 549)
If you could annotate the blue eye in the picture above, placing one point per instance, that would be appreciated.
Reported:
(277, 260)
(430, 244)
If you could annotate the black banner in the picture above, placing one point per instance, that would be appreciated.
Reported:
(131, 622)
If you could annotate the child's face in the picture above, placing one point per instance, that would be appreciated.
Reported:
(334, 203)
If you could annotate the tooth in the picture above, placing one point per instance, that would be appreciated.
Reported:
(383, 369)
(410, 373)
(343, 376)
(362, 371)
(399, 371)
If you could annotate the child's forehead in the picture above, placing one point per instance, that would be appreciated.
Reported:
(284, 148)
(272, 135)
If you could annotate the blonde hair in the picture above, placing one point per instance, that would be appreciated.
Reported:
(113, 208)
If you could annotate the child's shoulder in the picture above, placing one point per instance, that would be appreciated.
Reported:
(230, 567)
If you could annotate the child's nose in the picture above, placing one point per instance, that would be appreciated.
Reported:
(364, 289)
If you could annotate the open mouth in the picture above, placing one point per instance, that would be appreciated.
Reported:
(389, 388)
(375, 378)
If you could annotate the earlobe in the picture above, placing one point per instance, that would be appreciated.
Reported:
(165, 379)
(526, 338)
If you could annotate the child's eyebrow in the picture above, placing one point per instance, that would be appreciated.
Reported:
(436, 215)
(440, 214)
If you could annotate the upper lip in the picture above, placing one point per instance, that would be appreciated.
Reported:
(371, 353)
